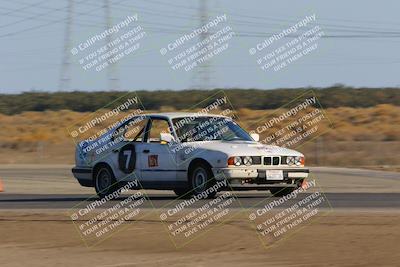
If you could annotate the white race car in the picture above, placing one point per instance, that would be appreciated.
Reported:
(187, 153)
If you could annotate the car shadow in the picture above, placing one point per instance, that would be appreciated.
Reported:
(80, 198)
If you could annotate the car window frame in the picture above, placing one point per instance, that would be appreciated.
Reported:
(125, 123)
(210, 116)
(149, 125)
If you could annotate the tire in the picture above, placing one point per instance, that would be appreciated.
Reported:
(104, 182)
(200, 179)
(282, 191)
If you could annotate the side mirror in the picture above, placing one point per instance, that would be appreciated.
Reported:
(166, 137)
(256, 137)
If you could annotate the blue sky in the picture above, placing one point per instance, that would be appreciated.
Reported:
(361, 48)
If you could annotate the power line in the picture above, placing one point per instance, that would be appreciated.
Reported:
(46, 24)
(27, 6)
(179, 29)
(38, 15)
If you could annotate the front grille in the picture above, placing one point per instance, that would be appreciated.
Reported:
(267, 161)
(274, 161)
(256, 160)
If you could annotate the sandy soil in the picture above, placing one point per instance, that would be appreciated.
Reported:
(35, 238)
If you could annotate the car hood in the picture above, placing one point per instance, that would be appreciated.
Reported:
(247, 148)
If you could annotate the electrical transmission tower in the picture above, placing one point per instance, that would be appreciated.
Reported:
(65, 73)
(202, 73)
(112, 70)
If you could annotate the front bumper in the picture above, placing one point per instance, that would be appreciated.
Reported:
(255, 178)
(260, 173)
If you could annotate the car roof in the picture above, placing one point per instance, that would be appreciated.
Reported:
(170, 115)
(173, 115)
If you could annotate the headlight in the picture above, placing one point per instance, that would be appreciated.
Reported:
(299, 161)
(244, 160)
(290, 161)
(247, 160)
(237, 161)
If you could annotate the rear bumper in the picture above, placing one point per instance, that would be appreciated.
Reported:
(83, 175)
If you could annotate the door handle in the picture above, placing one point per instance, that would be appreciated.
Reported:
(146, 151)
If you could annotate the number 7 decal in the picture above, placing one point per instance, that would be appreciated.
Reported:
(128, 155)
(127, 158)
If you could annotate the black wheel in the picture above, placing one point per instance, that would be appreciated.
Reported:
(282, 191)
(104, 182)
(200, 179)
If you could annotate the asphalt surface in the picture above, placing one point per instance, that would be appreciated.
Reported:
(249, 200)
(53, 187)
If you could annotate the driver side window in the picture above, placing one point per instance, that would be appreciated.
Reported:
(158, 126)
(132, 131)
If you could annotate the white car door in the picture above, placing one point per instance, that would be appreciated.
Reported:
(125, 153)
(157, 163)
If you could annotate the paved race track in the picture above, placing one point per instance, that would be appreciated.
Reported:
(53, 187)
(247, 200)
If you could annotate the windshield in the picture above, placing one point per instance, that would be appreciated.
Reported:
(192, 129)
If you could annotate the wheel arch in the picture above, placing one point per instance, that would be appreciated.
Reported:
(209, 182)
(97, 167)
(196, 162)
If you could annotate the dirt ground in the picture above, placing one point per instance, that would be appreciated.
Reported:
(341, 238)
